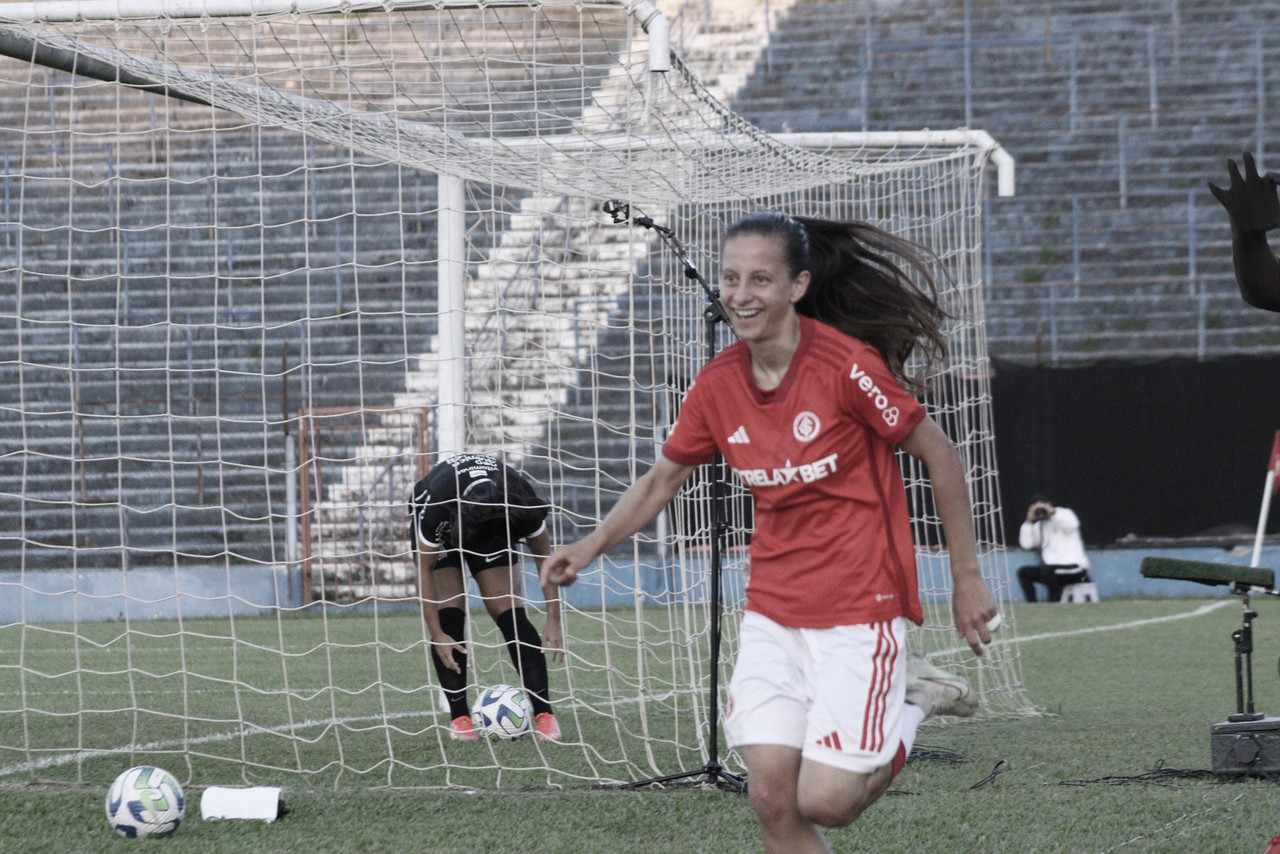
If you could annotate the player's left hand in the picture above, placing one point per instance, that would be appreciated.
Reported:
(1250, 200)
(553, 641)
(973, 607)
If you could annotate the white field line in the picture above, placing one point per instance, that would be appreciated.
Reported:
(1114, 627)
(215, 738)
(80, 755)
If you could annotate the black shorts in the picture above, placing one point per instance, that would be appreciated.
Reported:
(478, 561)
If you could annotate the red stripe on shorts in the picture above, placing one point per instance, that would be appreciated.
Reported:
(882, 661)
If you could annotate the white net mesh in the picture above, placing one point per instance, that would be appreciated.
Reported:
(223, 364)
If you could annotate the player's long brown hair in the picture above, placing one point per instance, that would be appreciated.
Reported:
(858, 287)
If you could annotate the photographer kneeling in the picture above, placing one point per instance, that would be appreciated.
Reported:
(1055, 533)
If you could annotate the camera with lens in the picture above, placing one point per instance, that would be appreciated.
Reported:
(1040, 514)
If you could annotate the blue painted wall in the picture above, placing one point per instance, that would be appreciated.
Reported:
(52, 596)
(64, 596)
(1117, 572)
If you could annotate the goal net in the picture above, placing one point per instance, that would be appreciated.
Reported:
(265, 263)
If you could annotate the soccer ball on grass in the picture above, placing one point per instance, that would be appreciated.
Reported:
(145, 801)
(502, 712)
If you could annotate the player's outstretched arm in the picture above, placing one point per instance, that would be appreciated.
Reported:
(553, 632)
(1253, 209)
(637, 507)
(971, 602)
(445, 645)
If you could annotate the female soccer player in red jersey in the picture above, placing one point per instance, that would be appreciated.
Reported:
(807, 407)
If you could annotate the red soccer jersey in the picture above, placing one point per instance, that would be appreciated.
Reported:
(832, 543)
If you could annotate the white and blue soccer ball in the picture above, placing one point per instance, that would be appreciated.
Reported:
(502, 711)
(145, 801)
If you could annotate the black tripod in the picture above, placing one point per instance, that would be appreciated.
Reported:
(713, 770)
(1243, 639)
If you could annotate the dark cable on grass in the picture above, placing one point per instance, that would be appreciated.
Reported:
(925, 753)
(950, 757)
(1161, 776)
(1000, 768)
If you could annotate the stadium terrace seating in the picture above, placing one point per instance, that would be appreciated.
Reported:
(182, 340)
(1112, 248)
(1117, 115)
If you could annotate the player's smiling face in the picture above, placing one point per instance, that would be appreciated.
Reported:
(756, 288)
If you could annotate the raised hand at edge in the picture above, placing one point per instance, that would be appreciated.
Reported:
(1251, 200)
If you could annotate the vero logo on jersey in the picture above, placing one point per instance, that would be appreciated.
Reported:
(788, 474)
(877, 397)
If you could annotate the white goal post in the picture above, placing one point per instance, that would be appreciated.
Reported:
(266, 261)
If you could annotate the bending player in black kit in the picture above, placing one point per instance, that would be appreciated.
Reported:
(473, 508)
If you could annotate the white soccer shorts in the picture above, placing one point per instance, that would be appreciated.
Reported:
(835, 694)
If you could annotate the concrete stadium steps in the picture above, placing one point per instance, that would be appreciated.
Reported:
(139, 301)
(921, 84)
(610, 431)
(1079, 322)
(120, 370)
(189, 338)
(569, 277)
(156, 528)
(1036, 241)
(944, 18)
(195, 255)
(723, 41)
(807, 79)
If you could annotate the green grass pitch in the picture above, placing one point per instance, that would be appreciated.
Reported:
(1128, 687)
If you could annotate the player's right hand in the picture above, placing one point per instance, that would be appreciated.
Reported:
(445, 647)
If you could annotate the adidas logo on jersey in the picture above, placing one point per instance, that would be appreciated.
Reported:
(740, 437)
